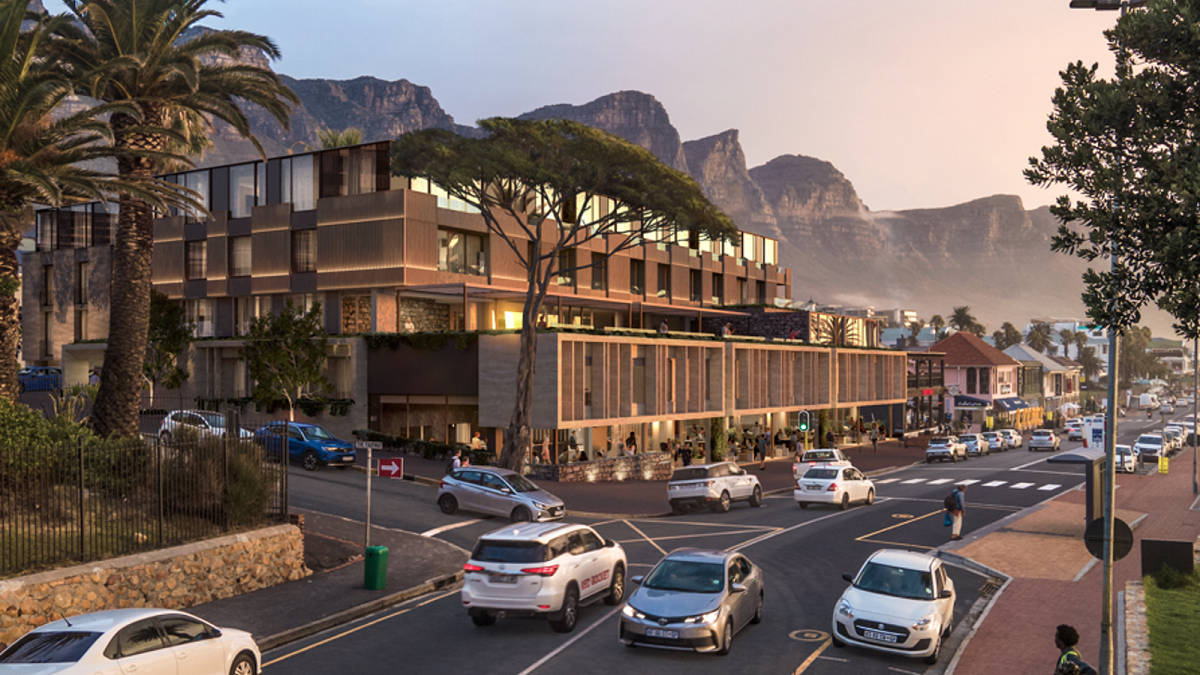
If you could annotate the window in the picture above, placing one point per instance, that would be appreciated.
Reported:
(56, 647)
(138, 638)
(296, 183)
(761, 287)
(664, 281)
(81, 283)
(242, 194)
(198, 181)
(303, 302)
(637, 277)
(200, 314)
(461, 253)
(599, 272)
(81, 332)
(696, 285)
(743, 292)
(246, 310)
(985, 385)
(239, 256)
(718, 291)
(182, 630)
(304, 251)
(197, 257)
(47, 285)
(971, 381)
(356, 313)
(566, 261)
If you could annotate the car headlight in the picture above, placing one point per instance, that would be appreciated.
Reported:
(926, 623)
(704, 618)
(333, 448)
(845, 609)
(632, 613)
(542, 506)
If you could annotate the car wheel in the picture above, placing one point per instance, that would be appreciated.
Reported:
(482, 618)
(929, 460)
(803, 505)
(677, 508)
(758, 611)
(937, 650)
(242, 665)
(448, 504)
(164, 437)
(520, 515)
(726, 638)
(870, 496)
(564, 620)
(953, 459)
(833, 638)
(616, 590)
(309, 461)
(722, 505)
(756, 498)
(845, 504)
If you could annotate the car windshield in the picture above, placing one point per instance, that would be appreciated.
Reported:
(819, 455)
(318, 434)
(56, 647)
(213, 419)
(1149, 440)
(689, 474)
(1123, 450)
(900, 582)
(823, 474)
(940, 441)
(687, 576)
(1041, 434)
(494, 550)
(520, 483)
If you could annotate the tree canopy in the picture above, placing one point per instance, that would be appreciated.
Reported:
(169, 336)
(1040, 337)
(285, 355)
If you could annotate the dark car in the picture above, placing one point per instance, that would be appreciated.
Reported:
(312, 444)
(40, 378)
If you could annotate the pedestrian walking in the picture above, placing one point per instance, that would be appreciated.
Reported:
(956, 506)
(631, 444)
(794, 441)
(1069, 661)
(875, 439)
(830, 441)
(762, 452)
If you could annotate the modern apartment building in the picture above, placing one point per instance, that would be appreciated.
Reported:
(392, 255)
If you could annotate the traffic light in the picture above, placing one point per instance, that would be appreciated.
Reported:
(804, 420)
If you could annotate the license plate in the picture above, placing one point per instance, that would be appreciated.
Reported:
(660, 633)
(882, 637)
(812, 487)
(347, 459)
(504, 578)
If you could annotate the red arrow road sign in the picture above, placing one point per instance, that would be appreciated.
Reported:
(393, 468)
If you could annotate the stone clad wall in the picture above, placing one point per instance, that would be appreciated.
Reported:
(426, 315)
(171, 578)
(762, 322)
(646, 466)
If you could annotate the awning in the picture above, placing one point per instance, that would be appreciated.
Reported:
(969, 403)
(1011, 404)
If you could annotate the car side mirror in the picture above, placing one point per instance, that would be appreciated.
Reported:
(609, 543)
(637, 580)
(214, 633)
(848, 577)
(506, 491)
(737, 588)
(946, 593)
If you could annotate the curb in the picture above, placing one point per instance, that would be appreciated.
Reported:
(300, 632)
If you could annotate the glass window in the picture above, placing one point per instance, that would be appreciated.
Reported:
(65, 647)
(696, 284)
(303, 182)
(139, 638)
(664, 281)
(771, 252)
(718, 290)
(285, 181)
(637, 276)
(200, 314)
(566, 261)
(239, 256)
(599, 272)
(197, 259)
(241, 190)
(743, 292)
(692, 577)
(749, 246)
(182, 630)
(461, 253)
(246, 310)
(304, 251)
(198, 181)
(260, 170)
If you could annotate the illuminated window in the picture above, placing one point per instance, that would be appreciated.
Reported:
(512, 320)
(239, 256)
(197, 257)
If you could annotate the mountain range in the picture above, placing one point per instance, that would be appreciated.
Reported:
(991, 254)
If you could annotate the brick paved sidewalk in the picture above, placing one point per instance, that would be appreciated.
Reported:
(1042, 552)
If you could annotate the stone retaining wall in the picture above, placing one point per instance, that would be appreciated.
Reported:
(646, 466)
(171, 578)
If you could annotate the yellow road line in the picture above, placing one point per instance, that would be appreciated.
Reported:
(900, 524)
(762, 536)
(358, 628)
(667, 521)
(897, 543)
(812, 657)
(635, 529)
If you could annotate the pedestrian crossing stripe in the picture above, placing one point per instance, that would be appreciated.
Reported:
(1050, 486)
(886, 480)
(970, 481)
(995, 483)
(1021, 486)
(939, 481)
(913, 480)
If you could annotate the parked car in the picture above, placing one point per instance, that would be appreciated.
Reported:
(129, 640)
(996, 441)
(693, 599)
(1173, 437)
(205, 424)
(39, 378)
(811, 458)
(311, 444)
(900, 602)
(942, 448)
(715, 485)
(1126, 459)
(1075, 430)
(974, 443)
(1149, 446)
(1015, 439)
(829, 484)
(497, 491)
(1044, 439)
(543, 570)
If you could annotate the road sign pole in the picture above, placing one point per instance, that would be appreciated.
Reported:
(367, 534)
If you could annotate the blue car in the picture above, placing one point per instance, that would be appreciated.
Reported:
(312, 444)
(40, 378)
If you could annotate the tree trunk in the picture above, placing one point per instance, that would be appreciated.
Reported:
(517, 436)
(10, 326)
(119, 398)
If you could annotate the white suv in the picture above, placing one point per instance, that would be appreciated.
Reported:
(713, 485)
(542, 570)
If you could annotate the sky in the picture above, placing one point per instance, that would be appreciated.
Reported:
(920, 104)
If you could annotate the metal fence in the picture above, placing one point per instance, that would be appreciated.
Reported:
(85, 501)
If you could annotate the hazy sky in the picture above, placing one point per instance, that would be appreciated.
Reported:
(924, 103)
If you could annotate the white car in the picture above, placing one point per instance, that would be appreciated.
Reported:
(943, 448)
(1074, 431)
(133, 640)
(976, 444)
(1174, 436)
(1149, 445)
(1126, 459)
(203, 423)
(811, 458)
(901, 602)
(715, 485)
(1015, 439)
(1166, 409)
(542, 570)
(997, 441)
(839, 485)
(1044, 439)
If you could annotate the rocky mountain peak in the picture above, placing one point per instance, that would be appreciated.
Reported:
(718, 165)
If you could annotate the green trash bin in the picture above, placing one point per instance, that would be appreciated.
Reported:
(375, 577)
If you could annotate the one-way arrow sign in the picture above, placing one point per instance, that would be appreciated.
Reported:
(393, 468)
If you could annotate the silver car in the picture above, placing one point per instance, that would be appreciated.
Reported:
(976, 444)
(693, 599)
(499, 492)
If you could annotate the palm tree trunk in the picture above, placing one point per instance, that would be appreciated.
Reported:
(10, 326)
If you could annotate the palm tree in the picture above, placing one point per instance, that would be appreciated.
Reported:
(1040, 337)
(133, 51)
(1081, 341)
(1012, 336)
(1090, 362)
(329, 138)
(43, 160)
(962, 319)
(1068, 338)
(914, 333)
(937, 323)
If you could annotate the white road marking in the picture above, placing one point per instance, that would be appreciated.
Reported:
(833, 658)
(1036, 461)
(1020, 486)
(1050, 486)
(886, 480)
(452, 526)
(940, 481)
(578, 636)
(913, 480)
(995, 483)
(969, 481)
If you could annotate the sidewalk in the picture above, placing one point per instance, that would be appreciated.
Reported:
(1055, 580)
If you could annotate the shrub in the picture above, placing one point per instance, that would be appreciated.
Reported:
(720, 439)
(1169, 578)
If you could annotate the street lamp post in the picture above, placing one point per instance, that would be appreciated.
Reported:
(1110, 436)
